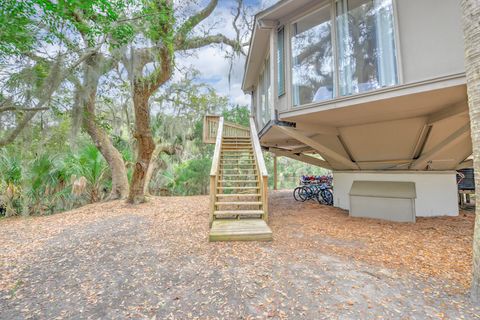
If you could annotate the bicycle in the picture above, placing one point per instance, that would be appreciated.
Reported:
(312, 187)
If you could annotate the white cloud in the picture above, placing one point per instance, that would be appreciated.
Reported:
(211, 62)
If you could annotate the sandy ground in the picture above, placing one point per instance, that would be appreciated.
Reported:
(153, 261)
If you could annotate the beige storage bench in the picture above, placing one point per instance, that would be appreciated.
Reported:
(387, 200)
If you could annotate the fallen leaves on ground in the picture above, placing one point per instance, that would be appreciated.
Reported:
(154, 260)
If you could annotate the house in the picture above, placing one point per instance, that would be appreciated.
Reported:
(374, 90)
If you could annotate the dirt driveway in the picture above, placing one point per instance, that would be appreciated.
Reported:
(113, 260)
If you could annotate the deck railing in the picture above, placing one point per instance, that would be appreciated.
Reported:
(211, 125)
(216, 125)
(262, 168)
(215, 170)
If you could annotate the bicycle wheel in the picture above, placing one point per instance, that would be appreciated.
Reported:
(319, 198)
(296, 195)
(327, 196)
(305, 193)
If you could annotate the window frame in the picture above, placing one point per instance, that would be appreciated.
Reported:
(260, 86)
(281, 63)
(333, 7)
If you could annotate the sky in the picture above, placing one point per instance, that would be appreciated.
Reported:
(210, 61)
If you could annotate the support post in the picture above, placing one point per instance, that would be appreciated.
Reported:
(275, 176)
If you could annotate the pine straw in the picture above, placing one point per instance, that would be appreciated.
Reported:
(161, 248)
(432, 247)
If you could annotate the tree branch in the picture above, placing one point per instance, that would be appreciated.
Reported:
(17, 108)
(13, 134)
(193, 21)
(199, 42)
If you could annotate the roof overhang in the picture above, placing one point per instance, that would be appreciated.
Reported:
(265, 21)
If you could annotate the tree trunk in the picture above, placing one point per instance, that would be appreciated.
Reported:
(76, 116)
(471, 30)
(151, 169)
(159, 149)
(145, 146)
(99, 137)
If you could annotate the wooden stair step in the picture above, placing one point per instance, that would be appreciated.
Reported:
(237, 188)
(237, 143)
(227, 213)
(239, 195)
(240, 175)
(237, 151)
(238, 203)
(239, 181)
(237, 163)
(236, 147)
(238, 171)
(240, 230)
(235, 157)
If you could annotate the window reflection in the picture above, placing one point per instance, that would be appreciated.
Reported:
(312, 52)
(365, 51)
(265, 94)
(365, 45)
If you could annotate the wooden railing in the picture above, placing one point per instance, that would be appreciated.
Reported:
(211, 125)
(215, 170)
(235, 130)
(221, 128)
(262, 168)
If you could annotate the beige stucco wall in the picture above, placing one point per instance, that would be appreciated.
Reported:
(436, 191)
(430, 39)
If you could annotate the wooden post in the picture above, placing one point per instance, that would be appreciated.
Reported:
(275, 176)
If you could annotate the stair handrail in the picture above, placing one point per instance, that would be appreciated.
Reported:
(262, 168)
(215, 168)
(210, 127)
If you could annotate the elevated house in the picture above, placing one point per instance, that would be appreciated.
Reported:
(374, 90)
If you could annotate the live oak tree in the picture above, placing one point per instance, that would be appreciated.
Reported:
(95, 25)
(76, 30)
(149, 33)
(150, 67)
(471, 30)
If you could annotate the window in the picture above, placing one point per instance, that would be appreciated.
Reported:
(265, 94)
(312, 74)
(281, 61)
(365, 45)
(362, 57)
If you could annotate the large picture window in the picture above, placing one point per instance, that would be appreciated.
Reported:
(365, 45)
(312, 74)
(265, 95)
(362, 57)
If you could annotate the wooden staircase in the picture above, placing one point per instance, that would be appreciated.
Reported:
(238, 185)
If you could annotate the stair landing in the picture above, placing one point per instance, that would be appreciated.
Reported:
(240, 230)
